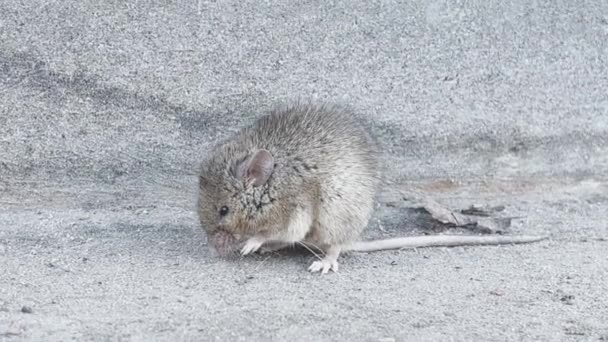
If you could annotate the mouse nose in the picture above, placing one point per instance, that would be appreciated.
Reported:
(223, 242)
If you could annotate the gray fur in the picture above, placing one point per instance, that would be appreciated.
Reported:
(324, 162)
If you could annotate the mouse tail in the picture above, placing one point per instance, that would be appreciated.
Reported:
(440, 241)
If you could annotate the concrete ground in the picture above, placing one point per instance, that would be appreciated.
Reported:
(107, 107)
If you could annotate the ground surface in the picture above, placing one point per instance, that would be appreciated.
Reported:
(106, 109)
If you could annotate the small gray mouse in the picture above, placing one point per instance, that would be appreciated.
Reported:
(304, 174)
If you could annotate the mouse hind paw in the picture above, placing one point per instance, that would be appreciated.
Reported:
(329, 262)
(324, 266)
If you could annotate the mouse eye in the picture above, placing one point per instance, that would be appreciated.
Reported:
(223, 211)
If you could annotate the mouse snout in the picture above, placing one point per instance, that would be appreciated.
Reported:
(223, 242)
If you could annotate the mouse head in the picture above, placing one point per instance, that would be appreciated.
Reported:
(233, 199)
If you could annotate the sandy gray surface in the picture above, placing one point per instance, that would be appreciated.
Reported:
(106, 109)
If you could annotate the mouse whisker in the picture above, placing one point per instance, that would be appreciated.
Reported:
(303, 244)
(263, 261)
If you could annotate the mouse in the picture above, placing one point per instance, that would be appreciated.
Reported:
(303, 174)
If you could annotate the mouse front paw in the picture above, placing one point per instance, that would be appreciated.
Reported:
(324, 265)
(252, 245)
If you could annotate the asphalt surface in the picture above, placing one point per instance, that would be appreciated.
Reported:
(107, 108)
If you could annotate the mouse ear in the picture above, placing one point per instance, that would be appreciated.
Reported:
(256, 169)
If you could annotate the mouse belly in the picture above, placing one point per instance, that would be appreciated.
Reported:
(296, 231)
(298, 227)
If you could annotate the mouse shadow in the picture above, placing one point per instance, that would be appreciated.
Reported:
(159, 240)
(167, 241)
